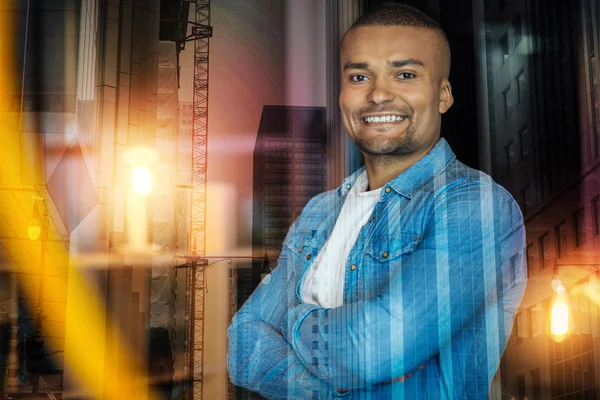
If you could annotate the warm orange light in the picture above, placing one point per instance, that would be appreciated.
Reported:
(34, 230)
(141, 180)
(559, 324)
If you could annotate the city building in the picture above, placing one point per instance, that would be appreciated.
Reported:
(537, 77)
(91, 81)
(289, 169)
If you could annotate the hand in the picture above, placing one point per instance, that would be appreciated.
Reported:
(400, 379)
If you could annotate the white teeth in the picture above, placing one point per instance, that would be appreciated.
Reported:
(383, 118)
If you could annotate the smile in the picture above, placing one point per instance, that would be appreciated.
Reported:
(383, 118)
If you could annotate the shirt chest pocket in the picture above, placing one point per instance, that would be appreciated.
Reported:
(299, 242)
(389, 247)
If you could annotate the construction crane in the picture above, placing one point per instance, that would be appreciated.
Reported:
(201, 33)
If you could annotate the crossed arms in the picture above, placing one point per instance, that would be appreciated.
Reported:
(462, 267)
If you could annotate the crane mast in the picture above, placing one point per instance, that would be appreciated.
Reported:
(201, 33)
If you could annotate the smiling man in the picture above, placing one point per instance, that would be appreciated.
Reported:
(404, 282)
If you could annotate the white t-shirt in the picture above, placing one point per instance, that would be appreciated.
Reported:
(324, 281)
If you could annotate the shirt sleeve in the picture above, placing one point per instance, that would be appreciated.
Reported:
(259, 357)
(469, 264)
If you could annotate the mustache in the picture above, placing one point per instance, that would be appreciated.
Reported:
(406, 110)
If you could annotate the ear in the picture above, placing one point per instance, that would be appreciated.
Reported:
(446, 98)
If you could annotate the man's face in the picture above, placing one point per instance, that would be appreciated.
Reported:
(393, 89)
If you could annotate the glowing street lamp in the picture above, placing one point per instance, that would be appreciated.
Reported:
(34, 229)
(141, 180)
(559, 318)
(139, 160)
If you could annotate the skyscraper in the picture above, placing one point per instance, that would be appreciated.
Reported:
(289, 169)
(537, 88)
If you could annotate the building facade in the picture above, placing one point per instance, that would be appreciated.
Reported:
(539, 120)
(289, 169)
(87, 94)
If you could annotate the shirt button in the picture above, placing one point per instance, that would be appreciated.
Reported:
(387, 189)
(352, 267)
(308, 257)
(385, 254)
(371, 219)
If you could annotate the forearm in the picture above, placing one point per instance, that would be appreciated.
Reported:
(260, 359)
(370, 343)
(354, 346)
(463, 268)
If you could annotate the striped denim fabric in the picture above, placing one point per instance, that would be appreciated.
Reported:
(431, 289)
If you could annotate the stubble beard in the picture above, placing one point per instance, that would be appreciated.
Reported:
(385, 147)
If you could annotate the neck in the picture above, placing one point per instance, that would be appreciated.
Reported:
(382, 169)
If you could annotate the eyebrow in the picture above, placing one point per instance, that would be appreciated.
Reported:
(408, 61)
(394, 64)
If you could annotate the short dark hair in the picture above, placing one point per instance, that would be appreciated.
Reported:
(395, 14)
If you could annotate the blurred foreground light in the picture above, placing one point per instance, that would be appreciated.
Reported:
(560, 317)
(141, 180)
(34, 229)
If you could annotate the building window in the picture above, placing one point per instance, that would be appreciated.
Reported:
(596, 215)
(593, 71)
(594, 109)
(501, 4)
(520, 86)
(510, 155)
(517, 30)
(531, 261)
(526, 199)
(579, 227)
(520, 386)
(536, 384)
(545, 246)
(524, 142)
(506, 104)
(504, 47)
(562, 239)
(513, 268)
(571, 361)
(593, 74)
(537, 320)
(522, 328)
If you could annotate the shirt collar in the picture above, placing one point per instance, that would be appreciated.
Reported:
(349, 182)
(417, 175)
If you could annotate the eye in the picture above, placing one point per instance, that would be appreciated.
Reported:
(406, 75)
(358, 78)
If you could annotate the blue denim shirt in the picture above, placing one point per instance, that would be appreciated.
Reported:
(431, 289)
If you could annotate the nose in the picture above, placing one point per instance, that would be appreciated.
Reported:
(380, 92)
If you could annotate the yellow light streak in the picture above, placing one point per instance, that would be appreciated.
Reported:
(102, 366)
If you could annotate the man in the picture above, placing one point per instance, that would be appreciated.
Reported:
(404, 282)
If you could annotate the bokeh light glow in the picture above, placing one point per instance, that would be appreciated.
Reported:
(560, 317)
(34, 230)
(141, 180)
